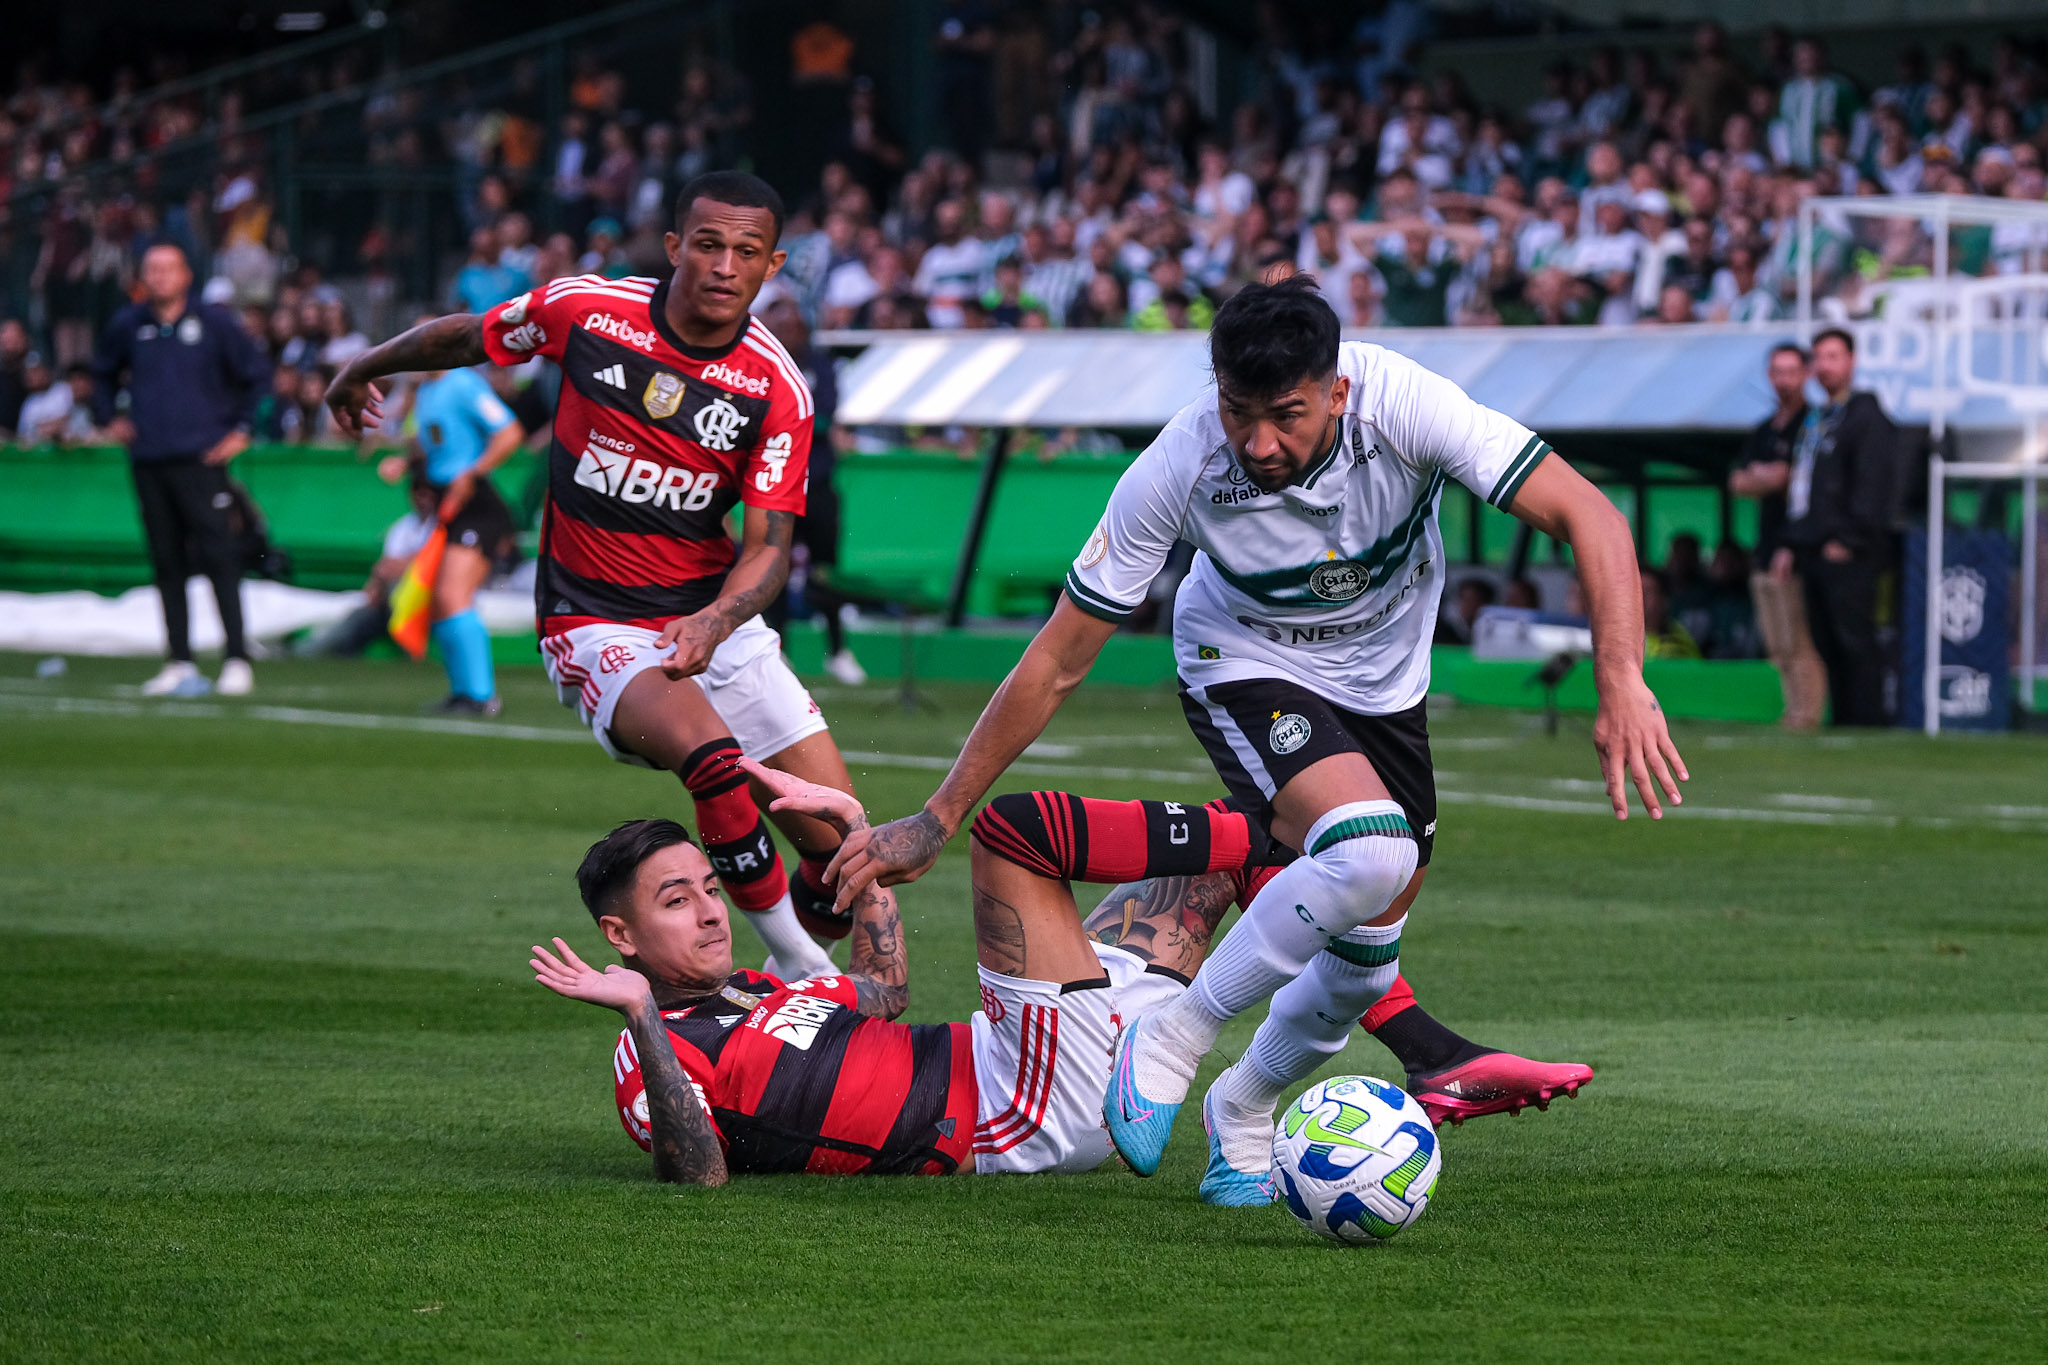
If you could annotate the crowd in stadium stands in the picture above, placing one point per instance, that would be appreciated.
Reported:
(1632, 192)
(1081, 187)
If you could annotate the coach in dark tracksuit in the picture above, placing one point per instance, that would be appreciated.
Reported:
(194, 380)
(1838, 524)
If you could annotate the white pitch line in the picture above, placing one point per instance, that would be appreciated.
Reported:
(2006, 819)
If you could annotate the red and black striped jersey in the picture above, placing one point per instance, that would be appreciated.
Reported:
(796, 1079)
(654, 442)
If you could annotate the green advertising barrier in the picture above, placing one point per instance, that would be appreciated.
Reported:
(68, 518)
(904, 514)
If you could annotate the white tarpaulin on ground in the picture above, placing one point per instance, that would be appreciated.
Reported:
(133, 623)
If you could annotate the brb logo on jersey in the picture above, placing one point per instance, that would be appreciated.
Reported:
(618, 329)
(619, 475)
(774, 455)
(735, 379)
(797, 1020)
(719, 424)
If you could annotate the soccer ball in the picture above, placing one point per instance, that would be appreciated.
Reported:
(1356, 1159)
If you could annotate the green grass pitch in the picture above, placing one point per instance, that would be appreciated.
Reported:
(275, 1083)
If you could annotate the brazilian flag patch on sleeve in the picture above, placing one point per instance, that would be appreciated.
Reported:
(1208, 652)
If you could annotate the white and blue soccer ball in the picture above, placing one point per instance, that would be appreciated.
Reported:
(1356, 1159)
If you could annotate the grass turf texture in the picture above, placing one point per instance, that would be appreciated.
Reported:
(279, 1085)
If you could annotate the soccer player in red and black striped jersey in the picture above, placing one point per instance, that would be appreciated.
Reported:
(722, 1072)
(676, 407)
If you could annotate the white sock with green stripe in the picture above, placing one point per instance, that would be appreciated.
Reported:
(1310, 1023)
(1360, 858)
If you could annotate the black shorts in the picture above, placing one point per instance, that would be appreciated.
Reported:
(1261, 733)
(484, 524)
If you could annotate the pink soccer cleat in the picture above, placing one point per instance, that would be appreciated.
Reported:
(1499, 1082)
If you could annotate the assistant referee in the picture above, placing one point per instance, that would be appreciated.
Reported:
(194, 380)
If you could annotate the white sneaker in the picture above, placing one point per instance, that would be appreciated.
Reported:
(176, 678)
(237, 679)
(846, 668)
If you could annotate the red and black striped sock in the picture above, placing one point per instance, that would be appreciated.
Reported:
(812, 897)
(1413, 1035)
(1078, 838)
(736, 838)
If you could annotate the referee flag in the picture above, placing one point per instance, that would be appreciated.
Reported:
(412, 600)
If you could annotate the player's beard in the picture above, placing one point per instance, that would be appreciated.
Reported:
(1324, 442)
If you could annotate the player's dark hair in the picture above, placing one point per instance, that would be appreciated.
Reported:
(608, 869)
(1835, 334)
(1270, 338)
(736, 188)
(1795, 348)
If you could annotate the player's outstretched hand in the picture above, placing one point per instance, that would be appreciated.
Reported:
(885, 855)
(564, 973)
(1635, 745)
(829, 804)
(695, 641)
(352, 400)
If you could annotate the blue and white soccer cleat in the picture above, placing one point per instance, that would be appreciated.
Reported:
(1223, 1184)
(1138, 1127)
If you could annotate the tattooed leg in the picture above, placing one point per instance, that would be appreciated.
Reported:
(1027, 925)
(1168, 921)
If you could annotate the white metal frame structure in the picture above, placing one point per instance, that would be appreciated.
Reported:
(1978, 338)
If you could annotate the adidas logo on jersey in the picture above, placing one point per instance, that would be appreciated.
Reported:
(618, 329)
(618, 475)
(735, 379)
(798, 1019)
(614, 375)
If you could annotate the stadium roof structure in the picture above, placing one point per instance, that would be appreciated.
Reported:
(1704, 378)
(1552, 379)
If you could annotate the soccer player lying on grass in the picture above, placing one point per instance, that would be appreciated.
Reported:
(722, 1071)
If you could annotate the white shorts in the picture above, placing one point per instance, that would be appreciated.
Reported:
(1041, 1064)
(747, 683)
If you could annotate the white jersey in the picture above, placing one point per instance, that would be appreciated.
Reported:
(1333, 582)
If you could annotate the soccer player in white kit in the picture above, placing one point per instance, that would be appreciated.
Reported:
(1307, 476)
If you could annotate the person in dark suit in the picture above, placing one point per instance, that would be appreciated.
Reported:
(1764, 472)
(1838, 509)
(195, 379)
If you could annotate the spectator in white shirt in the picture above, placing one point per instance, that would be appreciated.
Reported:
(1608, 257)
(1221, 192)
(949, 273)
(1736, 296)
(1661, 242)
(1605, 178)
(60, 411)
(1055, 274)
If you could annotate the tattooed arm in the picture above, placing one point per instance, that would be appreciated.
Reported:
(686, 1150)
(880, 971)
(879, 968)
(451, 343)
(762, 569)
(1168, 921)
